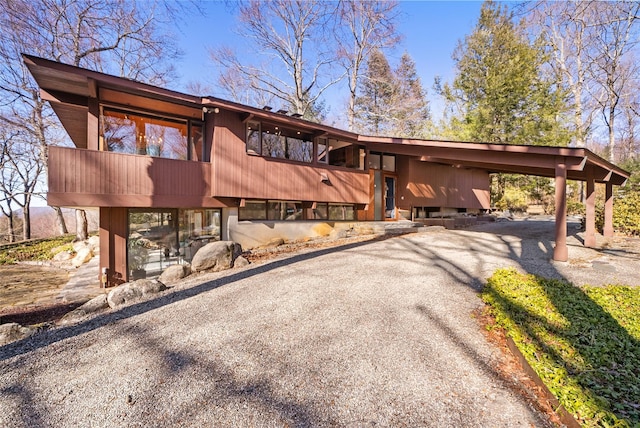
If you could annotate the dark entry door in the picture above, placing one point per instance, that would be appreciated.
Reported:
(390, 198)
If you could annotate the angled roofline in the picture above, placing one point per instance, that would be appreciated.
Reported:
(59, 78)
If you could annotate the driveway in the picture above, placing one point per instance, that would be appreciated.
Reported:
(369, 334)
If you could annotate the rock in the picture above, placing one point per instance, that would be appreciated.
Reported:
(62, 256)
(94, 305)
(149, 286)
(215, 256)
(275, 242)
(79, 245)
(338, 234)
(240, 262)
(11, 332)
(83, 256)
(174, 273)
(122, 294)
(94, 243)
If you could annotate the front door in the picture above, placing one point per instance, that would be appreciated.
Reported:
(389, 198)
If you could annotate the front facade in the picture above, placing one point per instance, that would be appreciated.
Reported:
(171, 172)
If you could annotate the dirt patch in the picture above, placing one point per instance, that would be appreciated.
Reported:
(28, 293)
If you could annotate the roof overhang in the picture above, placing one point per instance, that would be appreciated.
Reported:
(519, 159)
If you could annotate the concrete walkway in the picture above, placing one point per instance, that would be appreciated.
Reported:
(83, 284)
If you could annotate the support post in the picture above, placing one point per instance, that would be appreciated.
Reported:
(608, 211)
(590, 202)
(560, 252)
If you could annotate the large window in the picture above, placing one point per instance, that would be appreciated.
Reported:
(278, 142)
(163, 237)
(137, 133)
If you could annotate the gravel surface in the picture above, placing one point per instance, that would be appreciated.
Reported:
(368, 334)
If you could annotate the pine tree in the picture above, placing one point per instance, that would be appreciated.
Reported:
(374, 104)
(412, 115)
(499, 87)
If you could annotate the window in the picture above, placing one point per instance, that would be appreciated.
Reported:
(323, 150)
(284, 210)
(278, 142)
(253, 138)
(342, 153)
(342, 212)
(253, 210)
(321, 211)
(382, 161)
(143, 134)
(374, 161)
(389, 163)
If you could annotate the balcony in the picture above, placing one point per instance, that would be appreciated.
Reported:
(90, 178)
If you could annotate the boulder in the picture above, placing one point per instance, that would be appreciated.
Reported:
(83, 256)
(62, 256)
(79, 245)
(94, 305)
(94, 243)
(131, 291)
(174, 273)
(338, 234)
(215, 256)
(240, 262)
(11, 332)
(122, 294)
(149, 286)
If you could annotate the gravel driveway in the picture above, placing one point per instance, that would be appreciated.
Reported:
(369, 334)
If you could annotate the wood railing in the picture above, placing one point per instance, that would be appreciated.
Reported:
(95, 178)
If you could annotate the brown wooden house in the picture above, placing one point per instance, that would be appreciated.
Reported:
(171, 172)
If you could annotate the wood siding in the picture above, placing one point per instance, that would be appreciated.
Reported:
(433, 185)
(237, 174)
(79, 177)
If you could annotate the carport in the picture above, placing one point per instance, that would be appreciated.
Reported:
(560, 163)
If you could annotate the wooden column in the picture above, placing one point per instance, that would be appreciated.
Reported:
(590, 202)
(113, 244)
(560, 252)
(93, 130)
(608, 211)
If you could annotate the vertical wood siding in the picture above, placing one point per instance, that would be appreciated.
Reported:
(433, 185)
(95, 178)
(237, 174)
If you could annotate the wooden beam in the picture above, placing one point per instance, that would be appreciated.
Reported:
(608, 211)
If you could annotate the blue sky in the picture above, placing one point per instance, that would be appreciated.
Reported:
(431, 31)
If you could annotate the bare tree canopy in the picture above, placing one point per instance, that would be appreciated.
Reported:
(122, 37)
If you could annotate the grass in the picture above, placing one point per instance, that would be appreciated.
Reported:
(584, 342)
(39, 250)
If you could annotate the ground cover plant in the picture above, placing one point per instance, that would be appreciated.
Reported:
(40, 249)
(584, 342)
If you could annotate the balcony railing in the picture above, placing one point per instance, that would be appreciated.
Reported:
(79, 177)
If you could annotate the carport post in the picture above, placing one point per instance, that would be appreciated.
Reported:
(560, 252)
(608, 211)
(590, 201)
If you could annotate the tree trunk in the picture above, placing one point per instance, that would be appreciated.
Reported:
(11, 228)
(26, 226)
(62, 225)
(82, 227)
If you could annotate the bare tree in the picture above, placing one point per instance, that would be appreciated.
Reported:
(615, 36)
(363, 27)
(590, 44)
(290, 37)
(117, 36)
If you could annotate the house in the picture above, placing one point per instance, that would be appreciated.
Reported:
(171, 172)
